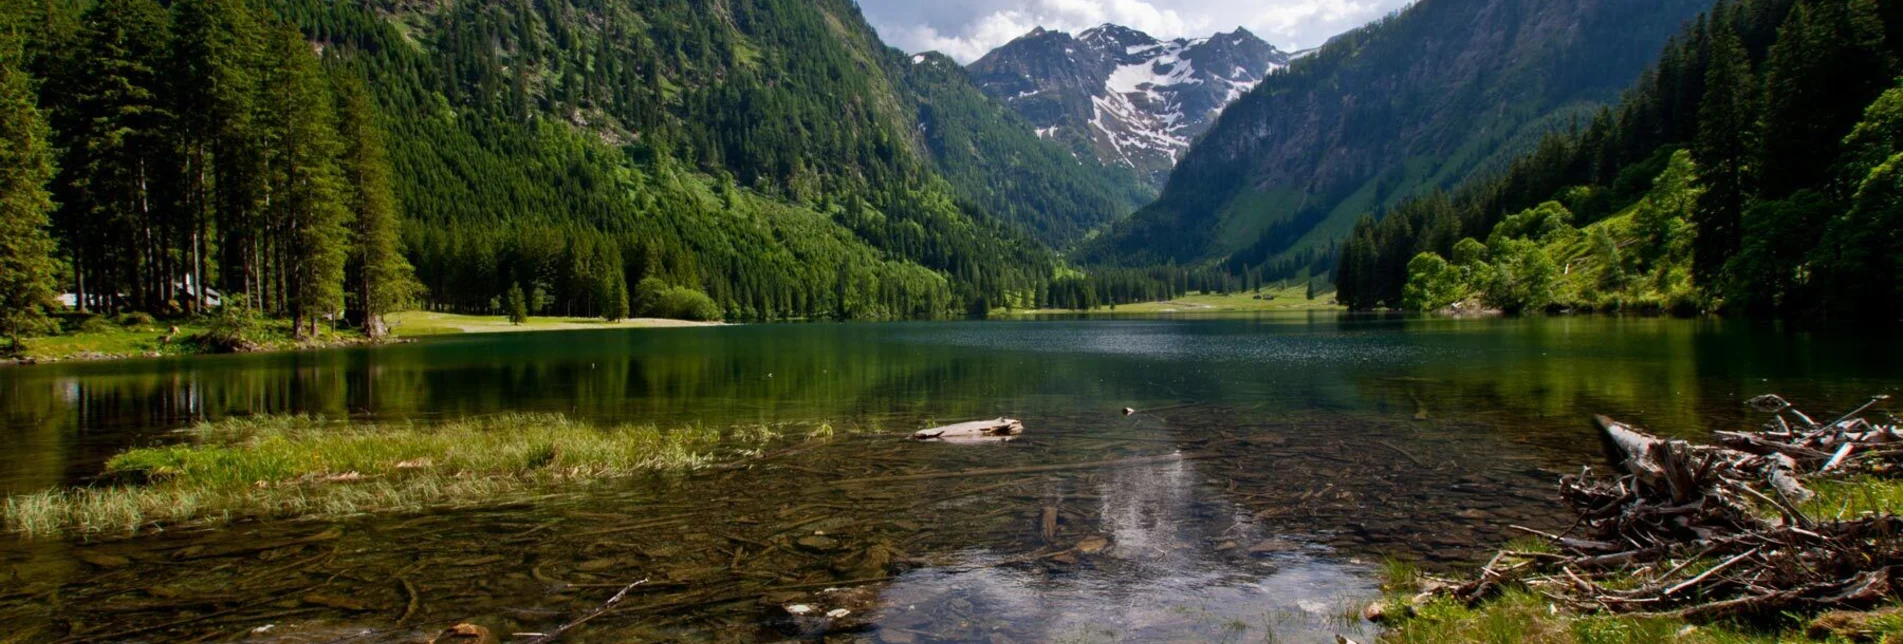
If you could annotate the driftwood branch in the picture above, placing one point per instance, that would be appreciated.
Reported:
(1672, 506)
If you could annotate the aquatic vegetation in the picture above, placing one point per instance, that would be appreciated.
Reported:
(282, 466)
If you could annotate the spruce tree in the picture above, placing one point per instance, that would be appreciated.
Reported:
(305, 192)
(211, 88)
(27, 268)
(516, 304)
(1723, 152)
(113, 126)
(1828, 63)
(381, 279)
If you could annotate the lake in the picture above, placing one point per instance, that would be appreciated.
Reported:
(1276, 461)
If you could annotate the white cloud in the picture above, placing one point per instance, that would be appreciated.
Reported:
(967, 30)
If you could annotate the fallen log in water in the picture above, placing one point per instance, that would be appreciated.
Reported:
(1704, 532)
(973, 429)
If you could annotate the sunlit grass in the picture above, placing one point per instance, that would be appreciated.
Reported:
(417, 324)
(298, 466)
(1522, 616)
(1849, 499)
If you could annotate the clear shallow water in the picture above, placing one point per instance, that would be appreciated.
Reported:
(1326, 442)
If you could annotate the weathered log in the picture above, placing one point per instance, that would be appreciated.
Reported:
(976, 428)
(1654, 461)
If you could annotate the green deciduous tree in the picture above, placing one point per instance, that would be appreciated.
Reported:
(1521, 276)
(1432, 283)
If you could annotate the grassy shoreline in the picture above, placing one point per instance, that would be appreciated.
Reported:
(154, 339)
(290, 466)
(419, 324)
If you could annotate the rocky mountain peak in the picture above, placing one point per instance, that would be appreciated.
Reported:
(1121, 95)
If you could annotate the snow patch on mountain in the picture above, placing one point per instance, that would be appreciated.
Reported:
(1125, 96)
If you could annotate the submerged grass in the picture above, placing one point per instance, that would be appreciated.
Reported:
(300, 465)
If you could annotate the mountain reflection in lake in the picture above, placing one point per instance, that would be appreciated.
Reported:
(1286, 456)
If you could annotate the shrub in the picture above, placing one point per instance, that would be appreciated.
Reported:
(136, 319)
(233, 327)
(93, 324)
(1432, 284)
(647, 296)
(688, 304)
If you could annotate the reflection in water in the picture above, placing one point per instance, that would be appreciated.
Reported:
(1165, 578)
(1320, 442)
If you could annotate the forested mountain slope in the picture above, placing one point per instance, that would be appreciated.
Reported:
(990, 153)
(772, 153)
(1757, 168)
(1419, 100)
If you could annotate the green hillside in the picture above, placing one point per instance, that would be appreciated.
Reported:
(1752, 170)
(773, 154)
(1423, 99)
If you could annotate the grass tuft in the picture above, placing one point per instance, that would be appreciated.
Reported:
(300, 465)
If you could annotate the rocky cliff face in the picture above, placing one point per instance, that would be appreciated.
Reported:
(1122, 96)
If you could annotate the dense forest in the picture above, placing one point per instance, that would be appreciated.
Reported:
(194, 146)
(1753, 169)
(332, 161)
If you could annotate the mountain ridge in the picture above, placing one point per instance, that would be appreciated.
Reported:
(1121, 96)
(1414, 102)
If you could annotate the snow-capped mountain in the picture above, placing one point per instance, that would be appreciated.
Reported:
(1122, 95)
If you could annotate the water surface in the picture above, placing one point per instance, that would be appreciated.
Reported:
(1284, 456)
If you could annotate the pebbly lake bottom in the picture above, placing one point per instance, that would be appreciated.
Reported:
(1197, 523)
(1286, 458)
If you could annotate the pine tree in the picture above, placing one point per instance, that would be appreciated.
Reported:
(214, 51)
(516, 304)
(1828, 63)
(1723, 152)
(616, 305)
(113, 123)
(381, 279)
(304, 189)
(26, 251)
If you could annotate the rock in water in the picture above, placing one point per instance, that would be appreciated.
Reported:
(973, 429)
(817, 543)
(465, 634)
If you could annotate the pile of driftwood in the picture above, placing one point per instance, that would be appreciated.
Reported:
(1710, 532)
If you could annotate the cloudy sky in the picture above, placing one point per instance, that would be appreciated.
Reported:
(966, 29)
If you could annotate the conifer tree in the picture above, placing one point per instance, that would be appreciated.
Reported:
(305, 192)
(211, 87)
(1723, 152)
(381, 279)
(1828, 63)
(113, 126)
(516, 304)
(26, 251)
